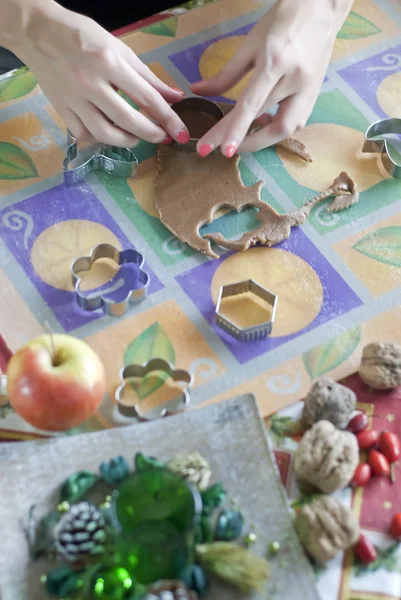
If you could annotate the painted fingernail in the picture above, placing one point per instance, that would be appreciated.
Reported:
(230, 150)
(182, 137)
(176, 89)
(167, 140)
(205, 150)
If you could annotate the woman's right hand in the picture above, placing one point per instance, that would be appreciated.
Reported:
(80, 67)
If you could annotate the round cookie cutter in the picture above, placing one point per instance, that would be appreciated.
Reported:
(206, 109)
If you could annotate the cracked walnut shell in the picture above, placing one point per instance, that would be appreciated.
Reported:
(326, 458)
(325, 528)
(381, 365)
(328, 400)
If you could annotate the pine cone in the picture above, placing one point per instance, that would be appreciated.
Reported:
(80, 532)
(192, 467)
(170, 590)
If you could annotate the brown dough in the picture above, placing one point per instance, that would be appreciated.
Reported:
(188, 191)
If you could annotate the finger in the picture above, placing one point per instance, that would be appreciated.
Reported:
(291, 115)
(170, 94)
(127, 118)
(246, 110)
(149, 99)
(75, 125)
(103, 130)
(229, 76)
(212, 139)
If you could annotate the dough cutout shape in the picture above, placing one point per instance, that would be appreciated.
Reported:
(188, 191)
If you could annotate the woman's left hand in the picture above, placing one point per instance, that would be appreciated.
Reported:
(288, 52)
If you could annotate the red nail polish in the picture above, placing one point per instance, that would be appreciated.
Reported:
(205, 150)
(167, 140)
(230, 150)
(176, 89)
(182, 137)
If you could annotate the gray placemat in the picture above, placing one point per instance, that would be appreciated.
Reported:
(231, 435)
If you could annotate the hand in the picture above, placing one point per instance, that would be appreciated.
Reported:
(288, 52)
(80, 67)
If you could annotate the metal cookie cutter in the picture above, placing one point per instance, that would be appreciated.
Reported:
(139, 371)
(199, 115)
(127, 287)
(375, 142)
(120, 162)
(247, 334)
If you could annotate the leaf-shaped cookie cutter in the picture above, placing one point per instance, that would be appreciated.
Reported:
(97, 299)
(120, 162)
(375, 143)
(139, 371)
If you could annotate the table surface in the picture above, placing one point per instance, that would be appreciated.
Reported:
(338, 277)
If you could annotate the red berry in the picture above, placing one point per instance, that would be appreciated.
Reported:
(358, 423)
(367, 439)
(365, 550)
(389, 445)
(379, 463)
(396, 526)
(362, 474)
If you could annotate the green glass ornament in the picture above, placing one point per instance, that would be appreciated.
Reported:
(115, 471)
(76, 486)
(229, 525)
(157, 495)
(112, 583)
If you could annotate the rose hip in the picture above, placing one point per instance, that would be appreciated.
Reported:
(367, 439)
(358, 423)
(365, 550)
(362, 475)
(396, 526)
(390, 446)
(379, 463)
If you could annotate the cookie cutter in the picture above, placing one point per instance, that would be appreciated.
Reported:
(139, 372)
(120, 162)
(375, 143)
(196, 105)
(132, 291)
(246, 334)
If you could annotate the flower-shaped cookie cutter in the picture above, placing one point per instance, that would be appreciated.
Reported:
(128, 287)
(120, 162)
(135, 371)
(376, 143)
(246, 334)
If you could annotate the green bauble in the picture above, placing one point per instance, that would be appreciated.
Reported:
(112, 583)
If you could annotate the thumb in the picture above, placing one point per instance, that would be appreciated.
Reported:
(229, 76)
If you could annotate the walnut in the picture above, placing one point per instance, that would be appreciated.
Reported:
(326, 527)
(326, 457)
(328, 401)
(192, 467)
(381, 365)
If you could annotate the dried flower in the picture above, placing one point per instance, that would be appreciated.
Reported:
(235, 565)
(192, 467)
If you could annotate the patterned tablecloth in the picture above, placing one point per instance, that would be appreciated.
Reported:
(338, 277)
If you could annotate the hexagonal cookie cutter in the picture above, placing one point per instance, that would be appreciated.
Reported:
(248, 334)
(375, 143)
(139, 371)
(120, 162)
(102, 298)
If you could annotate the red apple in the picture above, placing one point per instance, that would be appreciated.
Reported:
(55, 382)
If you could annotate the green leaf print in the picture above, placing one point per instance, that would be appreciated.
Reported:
(17, 85)
(331, 354)
(357, 27)
(383, 245)
(15, 163)
(285, 426)
(166, 27)
(151, 343)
